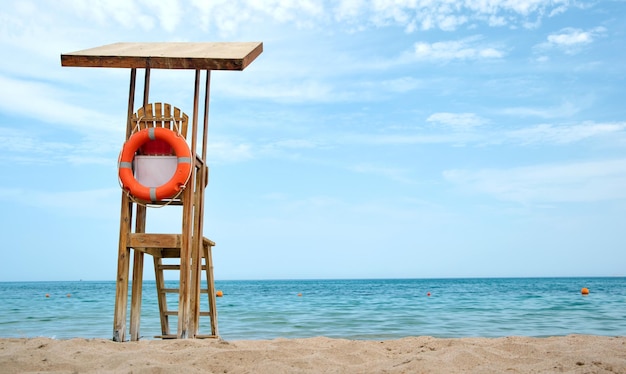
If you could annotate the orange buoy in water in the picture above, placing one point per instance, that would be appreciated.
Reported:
(299, 294)
(428, 294)
(219, 293)
(69, 295)
(584, 291)
(47, 295)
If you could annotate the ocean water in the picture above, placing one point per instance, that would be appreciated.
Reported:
(351, 309)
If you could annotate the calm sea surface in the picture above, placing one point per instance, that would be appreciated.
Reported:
(352, 309)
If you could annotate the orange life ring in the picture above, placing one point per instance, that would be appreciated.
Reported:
(178, 180)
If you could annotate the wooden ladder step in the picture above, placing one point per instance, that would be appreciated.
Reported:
(172, 336)
(169, 267)
(175, 267)
(176, 290)
(175, 313)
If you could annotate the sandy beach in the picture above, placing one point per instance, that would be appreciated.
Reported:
(569, 354)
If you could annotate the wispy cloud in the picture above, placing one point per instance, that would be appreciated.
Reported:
(393, 173)
(556, 183)
(465, 49)
(228, 152)
(447, 15)
(454, 129)
(563, 134)
(565, 110)
(457, 121)
(102, 202)
(571, 40)
(44, 102)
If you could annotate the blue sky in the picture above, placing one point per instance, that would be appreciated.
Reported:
(371, 139)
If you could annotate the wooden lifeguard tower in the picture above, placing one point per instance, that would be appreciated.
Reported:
(189, 246)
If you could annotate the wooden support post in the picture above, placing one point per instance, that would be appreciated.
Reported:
(123, 258)
(162, 298)
(138, 256)
(186, 250)
(136, 292)
(210, 279)
(199, 213)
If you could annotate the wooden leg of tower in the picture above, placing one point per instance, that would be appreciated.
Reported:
(123, 257)
(197, 253)
(185, 266)
(161, 296)
(135, 299)
(210, 281)
(123, 264)
(138, 257)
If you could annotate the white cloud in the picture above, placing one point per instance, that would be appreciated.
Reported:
(554, 134)
(465, 49)
(228, 15)
(447, 15)
(103, 203)
(457, 121)
(571, 40)
(404, 84)
(566, 109)
(127, 14)
(574, 182)
(43, 102)
(288, 91)
(396, 174)
(227, 152)
(169, 12)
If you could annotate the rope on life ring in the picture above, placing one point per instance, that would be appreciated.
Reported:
(178, 181)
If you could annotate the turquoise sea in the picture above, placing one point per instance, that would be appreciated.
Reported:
(352, 309)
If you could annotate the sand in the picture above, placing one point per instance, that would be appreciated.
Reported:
(569, 354)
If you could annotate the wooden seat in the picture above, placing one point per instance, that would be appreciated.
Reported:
(161, 115)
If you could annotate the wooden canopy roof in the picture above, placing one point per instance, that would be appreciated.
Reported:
(167, 55)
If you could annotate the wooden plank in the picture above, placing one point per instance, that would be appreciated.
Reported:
(181, 121)
(167, 55)
(138, 258)
(185, 320)
(123, 259)
(170, 267)
(158, 115)
(146, 86)
(196, 219)
(143, 240)
(210, 280)
(121, 282)
(208, 242)
(171, 336)
(170, 253)
(136, 292)
(161, 298)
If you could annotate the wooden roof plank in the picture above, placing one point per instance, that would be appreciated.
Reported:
(167, 55)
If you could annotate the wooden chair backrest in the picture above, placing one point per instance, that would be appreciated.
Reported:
(161, 115)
